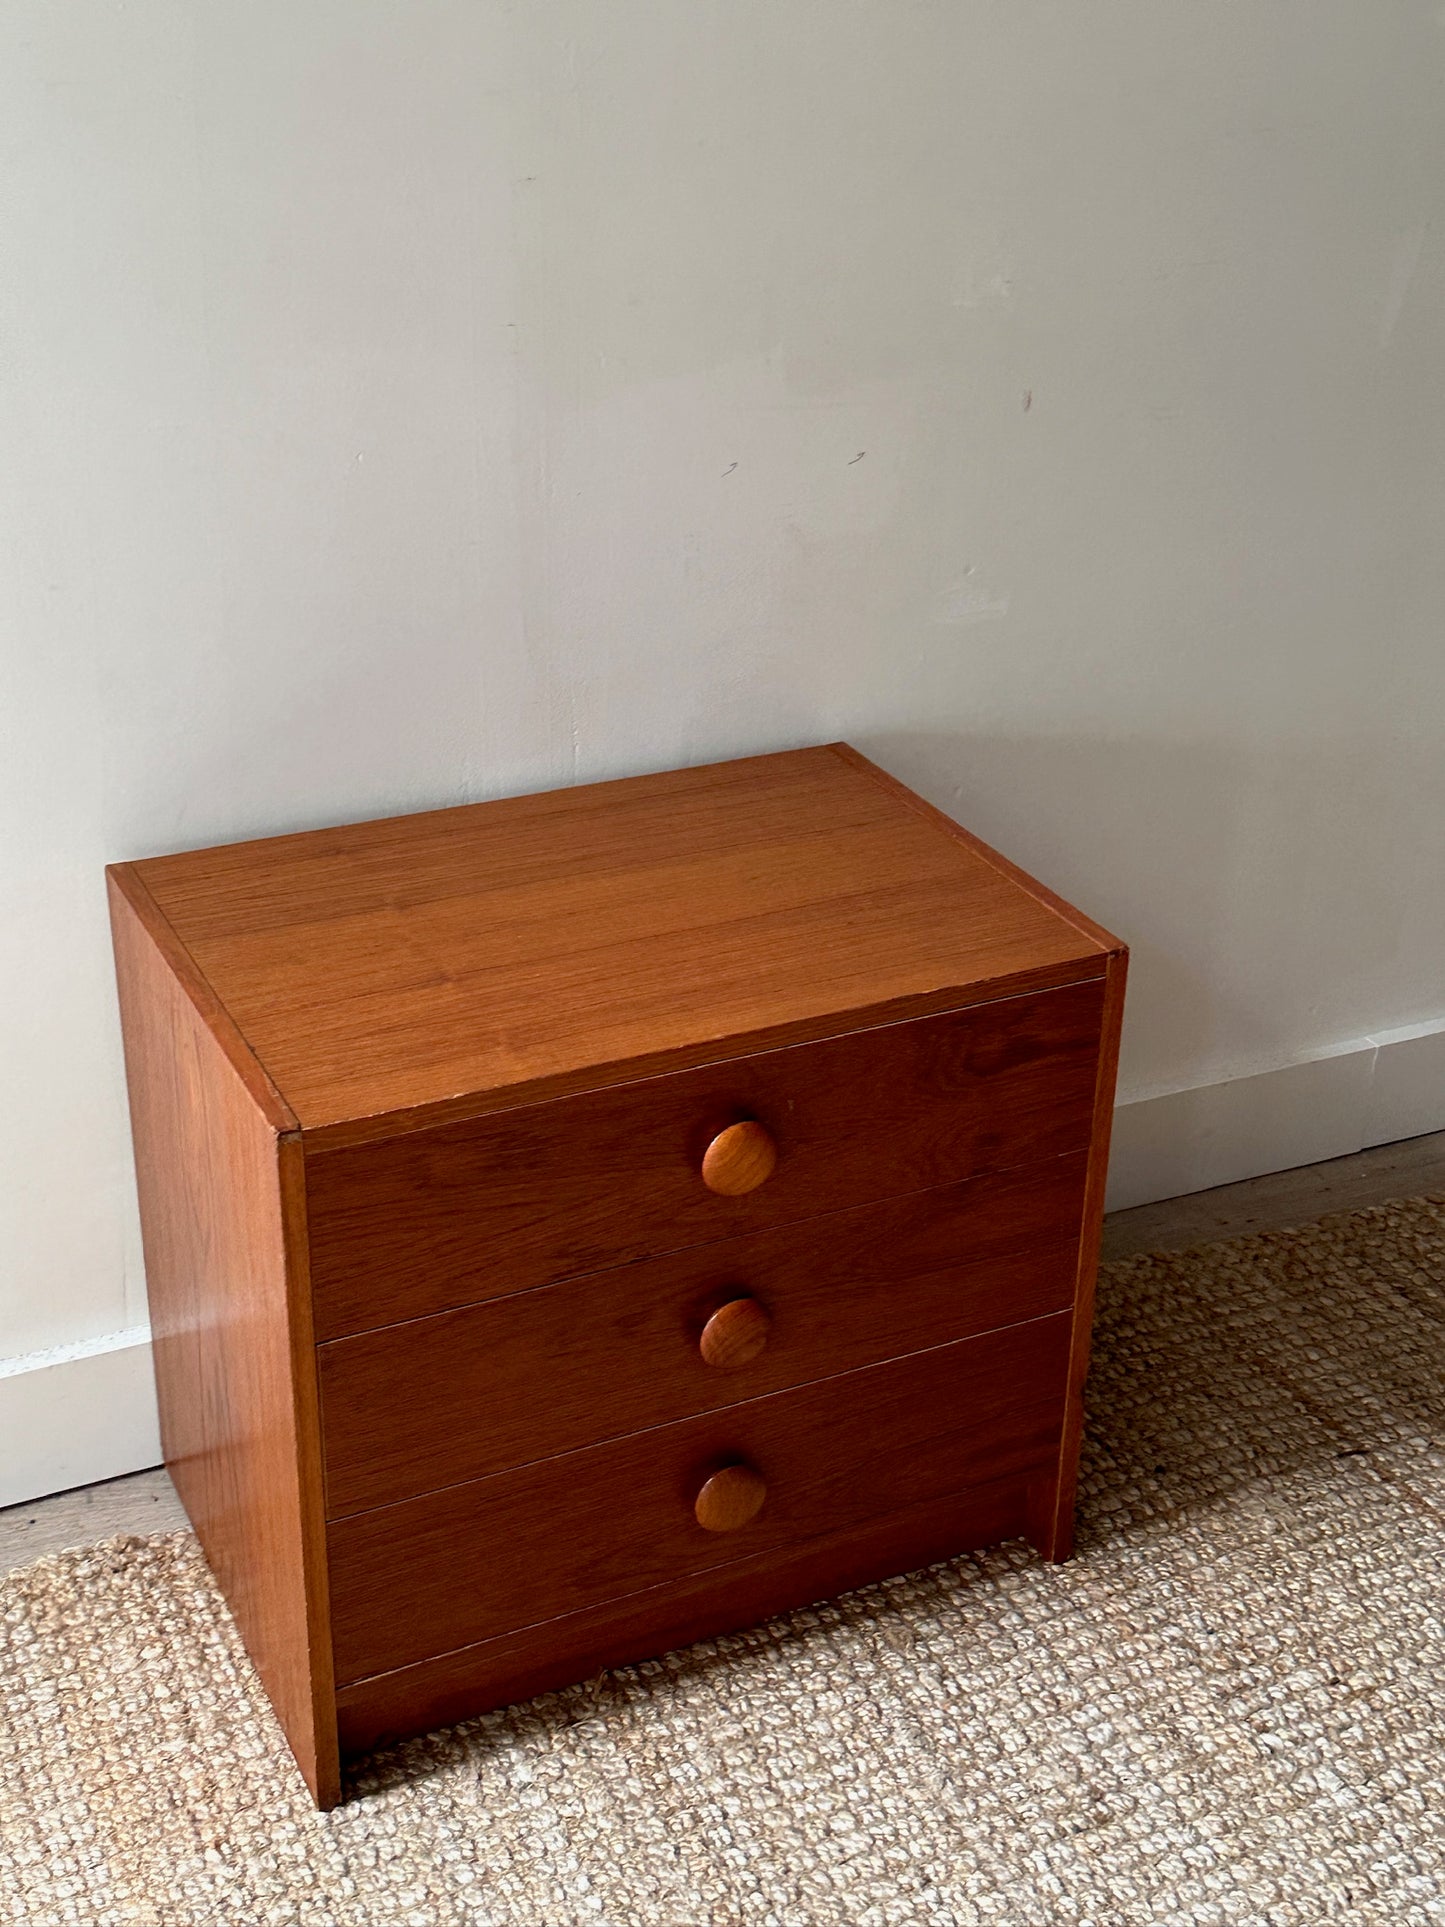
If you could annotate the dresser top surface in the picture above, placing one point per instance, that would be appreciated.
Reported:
(425, 966)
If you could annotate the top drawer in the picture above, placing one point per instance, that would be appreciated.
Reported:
(406, 1226)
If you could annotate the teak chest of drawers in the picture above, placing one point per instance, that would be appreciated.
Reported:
(581, 1224)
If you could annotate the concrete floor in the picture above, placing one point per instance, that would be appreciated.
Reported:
(145, 1502)
(1413, 1168)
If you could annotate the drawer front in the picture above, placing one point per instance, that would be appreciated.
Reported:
(446, 1399)
(746, 1592)
(422, 1223)
(412, 1581)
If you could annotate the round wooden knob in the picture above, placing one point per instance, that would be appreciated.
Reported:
(734, 1335)
(730, 1498)
(739, 1159)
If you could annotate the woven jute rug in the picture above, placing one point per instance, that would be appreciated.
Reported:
(1230, 1708)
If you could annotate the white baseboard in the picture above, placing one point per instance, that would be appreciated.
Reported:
(88, 1412)
(77, 1414)
(1372, 1090)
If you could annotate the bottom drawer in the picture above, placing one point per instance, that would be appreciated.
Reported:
(704, 1605)
(475, 1561)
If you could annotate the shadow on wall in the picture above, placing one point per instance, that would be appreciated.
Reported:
(1263, 907)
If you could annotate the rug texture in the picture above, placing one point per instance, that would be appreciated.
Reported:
(1230, 1708)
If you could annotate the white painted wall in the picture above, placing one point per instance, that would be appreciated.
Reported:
(408, 402)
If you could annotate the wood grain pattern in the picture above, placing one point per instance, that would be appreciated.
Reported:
(422, 1108)
(475, 1561)
(1094, 933)
(746, 1592)
(730, 1498)
(446, 1217)
(734, 1335)
(1052, 1504)
(740, 1158)
(444, 1400)
(123, 881)
(462, 960)
(222, 1212)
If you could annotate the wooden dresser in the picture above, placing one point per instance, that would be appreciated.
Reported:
(581, 1224)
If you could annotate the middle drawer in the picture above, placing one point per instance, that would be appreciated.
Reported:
(437, 1401)
(411, 1582)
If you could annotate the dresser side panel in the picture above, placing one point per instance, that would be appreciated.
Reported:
(1051, 1524)
(222, 1212)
